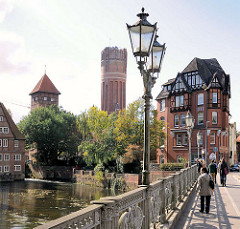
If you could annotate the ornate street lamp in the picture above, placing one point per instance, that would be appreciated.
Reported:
(190, 125)
(144, 44)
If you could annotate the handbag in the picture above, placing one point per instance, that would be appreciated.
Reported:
(211, 183)
(225, 171)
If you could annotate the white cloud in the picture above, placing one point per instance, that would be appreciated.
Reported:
(6, 7)
(13, 57)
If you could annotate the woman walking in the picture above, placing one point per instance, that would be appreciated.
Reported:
(205, 191)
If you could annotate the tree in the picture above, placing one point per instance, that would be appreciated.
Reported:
(53, 131)
(99, 145)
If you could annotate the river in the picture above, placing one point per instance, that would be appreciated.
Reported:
(29, 203)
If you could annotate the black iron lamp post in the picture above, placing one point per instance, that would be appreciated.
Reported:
(149, 55)
(190, 125)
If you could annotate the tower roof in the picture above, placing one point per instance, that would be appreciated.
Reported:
(45, 85)
(16, 133)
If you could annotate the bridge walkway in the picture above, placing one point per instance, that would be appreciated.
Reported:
(224, 208)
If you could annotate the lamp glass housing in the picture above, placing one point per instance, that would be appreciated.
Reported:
(189, 120)
(156, 57)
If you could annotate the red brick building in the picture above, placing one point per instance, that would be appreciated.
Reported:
(203, 88)
(113, 79)
(44, 93)
(12, 153)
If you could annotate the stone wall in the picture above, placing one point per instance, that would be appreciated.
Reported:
(52, 172)
(132, 180)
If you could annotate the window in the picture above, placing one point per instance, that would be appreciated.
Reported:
(1, 118)
(6, 168)
(0, 157)
(45, 98)
(162, 119)
(36, 98)
(16, 143)
(179, 101)
(162, 105)
(52, 99)
(179, 139)
(17, 167)
(212, 138)
(0, 169)
(5, 143)
(214, 97)
(17, 157)
(185, 139)
(201, 139)
(6, 157)
(198, 80)
(183, 120)
(214, 117)
(200, 99)
(200, 118)
(176, 121)
(5, 130)
(0, 142)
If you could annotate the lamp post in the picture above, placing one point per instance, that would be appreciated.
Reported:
(198, 142)
(149, 55)
(190, 125)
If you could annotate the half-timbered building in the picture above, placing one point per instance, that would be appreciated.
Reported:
(203, 88)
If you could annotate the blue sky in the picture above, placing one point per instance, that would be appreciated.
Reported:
(69, 35)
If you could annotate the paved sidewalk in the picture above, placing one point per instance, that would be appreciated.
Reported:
(224, 213)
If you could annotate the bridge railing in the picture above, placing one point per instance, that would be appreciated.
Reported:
(145, 207)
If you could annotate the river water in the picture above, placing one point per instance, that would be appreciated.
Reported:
(29, 203)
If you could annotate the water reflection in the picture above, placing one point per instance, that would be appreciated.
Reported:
(29, 203)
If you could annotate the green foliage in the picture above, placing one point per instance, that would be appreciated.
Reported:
(53, 131)
(172, 166)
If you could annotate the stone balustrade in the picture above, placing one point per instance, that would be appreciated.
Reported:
(145, 207)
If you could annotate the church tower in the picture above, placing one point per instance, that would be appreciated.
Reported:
(113, 79)
(44, 93)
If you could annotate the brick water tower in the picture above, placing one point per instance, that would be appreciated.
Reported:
(113, 79)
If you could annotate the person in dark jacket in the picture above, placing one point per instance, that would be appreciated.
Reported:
(223, 172)
(199, 165)
(212, 170)
(205, 190)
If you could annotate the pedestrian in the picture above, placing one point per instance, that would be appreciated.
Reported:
(205, 191)
(216, 171)
(223, 172)
(199, 165)
(212, 170)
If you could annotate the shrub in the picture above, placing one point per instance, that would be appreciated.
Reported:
(172, 166)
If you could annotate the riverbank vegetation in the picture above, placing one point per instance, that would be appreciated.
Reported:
(92, 139)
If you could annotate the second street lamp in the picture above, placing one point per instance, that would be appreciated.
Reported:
(144, 44)
(190, 125)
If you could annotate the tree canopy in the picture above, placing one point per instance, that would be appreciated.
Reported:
(53, 131)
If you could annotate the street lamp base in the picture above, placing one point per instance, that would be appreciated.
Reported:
(145, 177)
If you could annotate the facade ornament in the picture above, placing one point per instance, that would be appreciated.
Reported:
(155, 206)
(132, 219)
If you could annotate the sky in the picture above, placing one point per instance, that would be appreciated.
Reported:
(68, 36)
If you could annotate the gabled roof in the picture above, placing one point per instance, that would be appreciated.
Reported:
(16, 133)
(45, 85)
(206, 69)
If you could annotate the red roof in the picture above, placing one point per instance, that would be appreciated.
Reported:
(238, 138)
(45, 85)
(16, 133)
